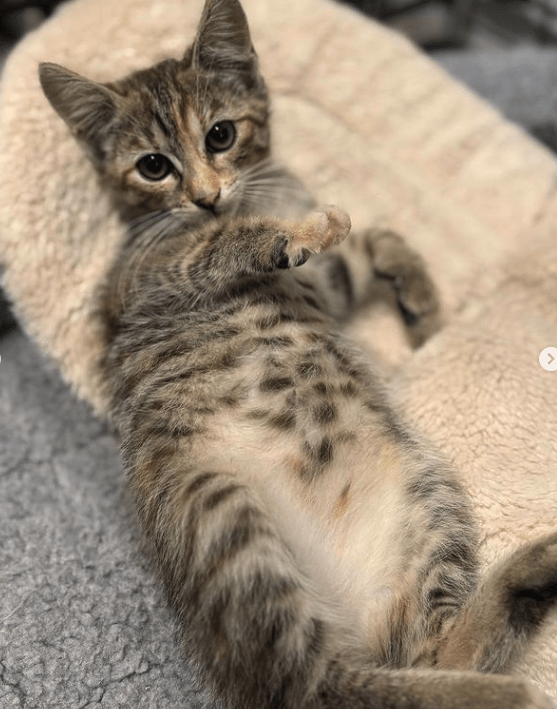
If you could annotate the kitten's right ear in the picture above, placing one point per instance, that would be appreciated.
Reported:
(86, 106)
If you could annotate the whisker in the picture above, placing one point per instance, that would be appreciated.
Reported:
(148, 232)
(144, 220)
(270, 188)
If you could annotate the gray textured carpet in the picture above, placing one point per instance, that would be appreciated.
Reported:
(81, 622)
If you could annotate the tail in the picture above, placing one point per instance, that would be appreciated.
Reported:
(500, 618)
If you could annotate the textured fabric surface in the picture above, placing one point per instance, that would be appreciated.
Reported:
(369, 123)
(82, 623)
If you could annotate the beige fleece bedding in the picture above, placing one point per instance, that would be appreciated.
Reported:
(369, 123)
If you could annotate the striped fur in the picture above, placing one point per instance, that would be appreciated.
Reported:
(316, 552)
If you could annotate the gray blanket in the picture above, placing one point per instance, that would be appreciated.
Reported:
(81, 620)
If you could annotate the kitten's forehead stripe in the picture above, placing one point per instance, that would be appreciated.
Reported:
(162, 124)
(195, 127)
(165, 96)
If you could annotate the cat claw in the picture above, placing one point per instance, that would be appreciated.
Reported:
(286, 261)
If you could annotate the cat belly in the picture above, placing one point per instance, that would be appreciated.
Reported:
(345, 525)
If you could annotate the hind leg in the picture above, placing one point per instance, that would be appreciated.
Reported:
(504, 613)
(405, 270)
(347, 276)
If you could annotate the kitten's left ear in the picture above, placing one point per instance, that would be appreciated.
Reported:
(223, 41)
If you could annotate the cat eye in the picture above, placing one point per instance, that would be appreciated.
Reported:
(221, 137)
(154, 166)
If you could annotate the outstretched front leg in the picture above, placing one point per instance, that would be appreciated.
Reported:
(227, 252)
(219, 258)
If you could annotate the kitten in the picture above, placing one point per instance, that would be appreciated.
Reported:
(316, 552)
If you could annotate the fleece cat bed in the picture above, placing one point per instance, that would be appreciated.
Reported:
(369, 123)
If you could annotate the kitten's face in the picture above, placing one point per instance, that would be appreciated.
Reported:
(185, 140)
(190, 136)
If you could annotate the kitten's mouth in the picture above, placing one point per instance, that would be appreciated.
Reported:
(209, 209)
(196, 213)
(224, 209)
(193, 214)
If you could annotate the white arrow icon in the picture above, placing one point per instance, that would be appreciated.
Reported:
(548, 359)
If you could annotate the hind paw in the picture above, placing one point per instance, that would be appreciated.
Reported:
(415, 292)
(532, 570)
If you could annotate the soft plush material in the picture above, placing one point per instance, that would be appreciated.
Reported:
(369, 123)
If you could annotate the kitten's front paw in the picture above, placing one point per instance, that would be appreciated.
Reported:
(317, 232)
(326, 227)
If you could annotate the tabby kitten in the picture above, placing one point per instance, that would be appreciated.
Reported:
(316, 552)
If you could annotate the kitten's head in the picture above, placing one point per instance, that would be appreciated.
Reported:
(185, 137)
